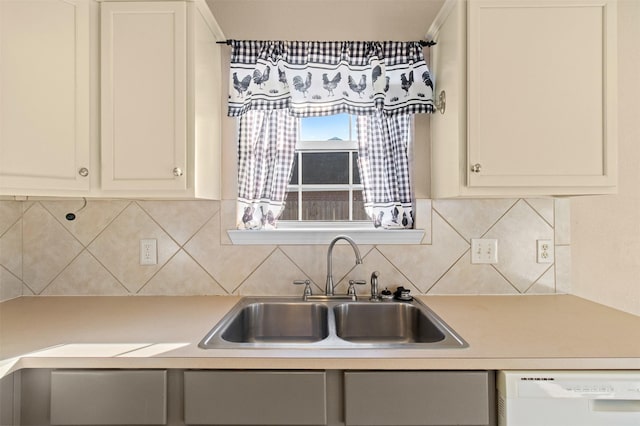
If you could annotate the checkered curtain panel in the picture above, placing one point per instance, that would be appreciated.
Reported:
(266, 146)
(384, 149)
(312, 78)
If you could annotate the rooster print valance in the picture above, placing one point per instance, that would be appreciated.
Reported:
(313, 78)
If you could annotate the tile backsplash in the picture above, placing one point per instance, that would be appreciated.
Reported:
(42, 253)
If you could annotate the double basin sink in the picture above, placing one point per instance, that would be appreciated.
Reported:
(331, 324)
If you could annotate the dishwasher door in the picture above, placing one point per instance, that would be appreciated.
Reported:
(568, 398)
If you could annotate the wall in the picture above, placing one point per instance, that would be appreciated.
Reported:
(41, 253)
(606, 230)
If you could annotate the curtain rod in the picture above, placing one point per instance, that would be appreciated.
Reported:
(423, 43)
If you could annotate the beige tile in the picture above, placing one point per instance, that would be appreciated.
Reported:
(424, 264)
(89, 221)
(182, 276)
(390, 277)
(312, 260)
(517, 233)
(10, 285)
(563, 269)
(472, 218)
(118, 247)
(274, 277)
(423, 218)
(467, 278)
(228, 265)
(562, 227)
(10, 212)
(181, 219)
(11, 249)
(544, 207)
(26, 291)
(227, 220)
(545, 284)
(47, 247)
(26, 205)
(85, 276)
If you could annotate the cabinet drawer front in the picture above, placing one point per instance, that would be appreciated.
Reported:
(255, 398)
(109, 397)
(417, 398)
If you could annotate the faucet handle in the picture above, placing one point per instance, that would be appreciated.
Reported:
(352, 283)
(307, 287)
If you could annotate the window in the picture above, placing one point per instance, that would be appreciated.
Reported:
(325, 192)
(325, 182)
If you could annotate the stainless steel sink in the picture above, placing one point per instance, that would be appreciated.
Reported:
(270, 323)
(263, 322)
(385, 323)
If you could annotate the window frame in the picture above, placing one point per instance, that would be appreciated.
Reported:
(300, 232)
(349, 146)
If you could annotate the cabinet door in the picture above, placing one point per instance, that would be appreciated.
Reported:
(8, 401)
(144, 106)
(44, 96)
(397, 398)
(541, 95)
(449, 127)
(109, 397)
(255, 398)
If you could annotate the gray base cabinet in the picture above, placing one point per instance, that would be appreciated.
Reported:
(44, 397)
(397, 398)
(255, 398)
(9, 400)
(104, 397)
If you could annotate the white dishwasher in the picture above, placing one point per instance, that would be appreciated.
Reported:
(568, 398)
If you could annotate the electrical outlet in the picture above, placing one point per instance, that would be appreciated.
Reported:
(149, 252)
(484, 250)
(544, 250)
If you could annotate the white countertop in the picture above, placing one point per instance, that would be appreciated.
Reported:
(503, 332)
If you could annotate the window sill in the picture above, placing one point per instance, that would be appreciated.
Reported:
(313, 236)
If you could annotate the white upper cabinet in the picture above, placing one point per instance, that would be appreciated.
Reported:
(144, 96)
(530, 98)
(160, 100)
(109, 99)
(44, 97)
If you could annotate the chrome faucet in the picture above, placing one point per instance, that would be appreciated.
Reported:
(375, 297)
(328, 289)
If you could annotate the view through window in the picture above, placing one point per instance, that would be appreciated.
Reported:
(325, 182)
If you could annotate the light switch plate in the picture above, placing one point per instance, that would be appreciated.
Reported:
(484, 250)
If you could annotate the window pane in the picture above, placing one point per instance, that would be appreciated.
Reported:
(332, 127)
(290, 211)
(325, 168)
(323, 165)
(294, 171)
(325, 205)
(356, 170)
(358, 206)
